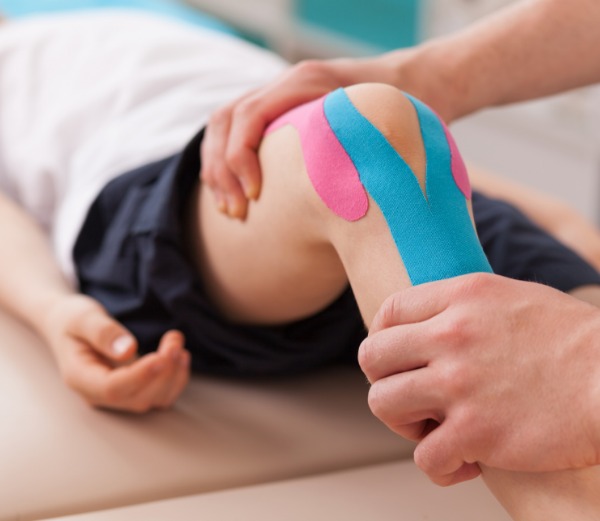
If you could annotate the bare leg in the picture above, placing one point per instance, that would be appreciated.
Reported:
(293, 256)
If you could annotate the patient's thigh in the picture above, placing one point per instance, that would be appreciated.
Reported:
(277, 265)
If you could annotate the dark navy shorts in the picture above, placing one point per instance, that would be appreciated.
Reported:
(130, 256)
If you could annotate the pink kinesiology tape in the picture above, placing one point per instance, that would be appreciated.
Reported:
(329, 167)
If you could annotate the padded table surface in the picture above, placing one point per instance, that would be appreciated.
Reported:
(389, 492)
(58, 456)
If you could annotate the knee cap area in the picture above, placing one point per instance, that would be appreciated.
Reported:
(394, 115)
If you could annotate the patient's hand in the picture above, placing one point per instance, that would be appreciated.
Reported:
(96, 357)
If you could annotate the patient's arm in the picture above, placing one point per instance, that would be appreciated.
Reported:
(548, 212)
(85, 341)
(298, 255)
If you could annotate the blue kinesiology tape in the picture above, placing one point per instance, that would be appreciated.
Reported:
(433, 232)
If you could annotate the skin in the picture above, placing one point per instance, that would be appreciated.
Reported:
(481, 66)
(81, 334)
(248, 288)
(440, 366)
(484, 65)
(94, 353)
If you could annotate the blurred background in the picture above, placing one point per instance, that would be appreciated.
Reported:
(553, 145)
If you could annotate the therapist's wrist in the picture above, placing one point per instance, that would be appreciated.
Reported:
(430, 73)
(422, 71)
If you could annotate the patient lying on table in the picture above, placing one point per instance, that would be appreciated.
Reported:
(143, 277)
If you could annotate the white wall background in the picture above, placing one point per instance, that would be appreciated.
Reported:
(553, 145)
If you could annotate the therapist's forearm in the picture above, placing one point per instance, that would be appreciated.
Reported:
(532, 49)
(30, 280)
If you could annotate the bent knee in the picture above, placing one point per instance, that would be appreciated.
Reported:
(394, 115)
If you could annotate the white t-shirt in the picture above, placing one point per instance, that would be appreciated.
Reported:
(86, 97)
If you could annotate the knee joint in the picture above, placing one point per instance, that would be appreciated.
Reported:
(373, 141)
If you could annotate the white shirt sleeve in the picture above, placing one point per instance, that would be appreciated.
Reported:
(87, 96)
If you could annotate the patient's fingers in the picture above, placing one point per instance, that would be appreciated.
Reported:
(102, 385)
(173, 344)
(90, 323)
(157, 394)
(153, 394)
(180, 381)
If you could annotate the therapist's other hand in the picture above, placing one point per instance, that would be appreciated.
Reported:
(230, 165)
(97, 358)
(484, 369)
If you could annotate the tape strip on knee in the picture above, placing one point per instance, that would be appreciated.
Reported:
(346, 157)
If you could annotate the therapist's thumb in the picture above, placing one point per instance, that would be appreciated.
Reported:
(96, 328)
(438, 456)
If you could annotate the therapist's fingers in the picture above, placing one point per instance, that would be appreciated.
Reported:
(249, 120)
(215, 172)
(251, 115)
(406, 402)
(439, 456)
(394, 350)
(414, 304)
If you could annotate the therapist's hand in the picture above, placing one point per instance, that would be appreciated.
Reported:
(229, 151)
(484, 369)
(230, 164)
(97, 358)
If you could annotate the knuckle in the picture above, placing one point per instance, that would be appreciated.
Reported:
(477, 284)
(234, 158)
(454, 380)
(246, 108)
(454, 332)
(376, 401)
(309, 69)
(219, 117)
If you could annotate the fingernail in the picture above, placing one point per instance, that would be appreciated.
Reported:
(121, 345)
(237, 209)
(248, 188)
(222, 205)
